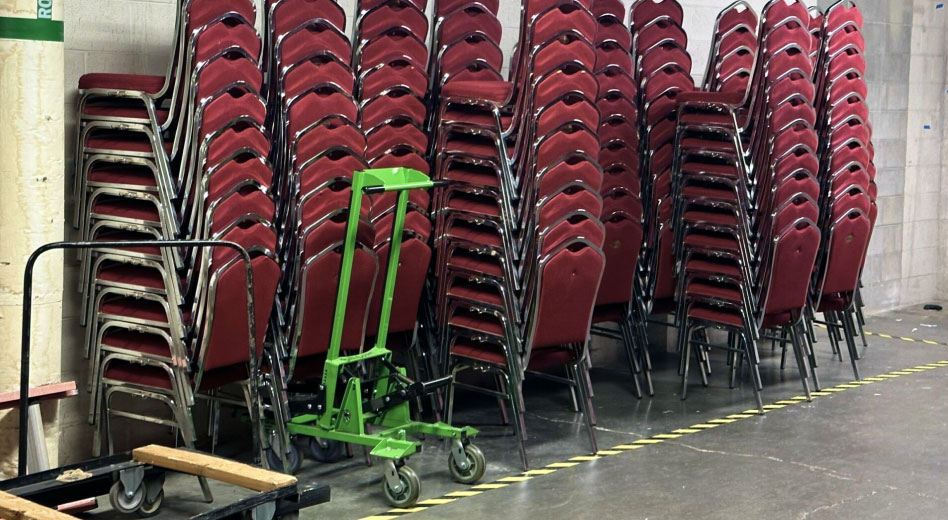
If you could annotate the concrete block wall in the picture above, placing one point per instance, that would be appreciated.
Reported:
(921, 260)
(888, 33)
(905, 53)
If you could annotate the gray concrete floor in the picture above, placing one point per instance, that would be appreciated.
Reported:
(877, 451)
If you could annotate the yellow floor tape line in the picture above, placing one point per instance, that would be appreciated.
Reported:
(562, 465)
(489, 486)
(521, 478)
(643, 443)
(608, 452)
(539, 471)
(436, 501)
(461, 494)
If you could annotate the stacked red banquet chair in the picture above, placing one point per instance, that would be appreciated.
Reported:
(816, 33)
(319, 146)
(621, 190)
(846, 176)
(733, 49)
(747, 203)
(474, 216)
(518, 232)
(662, 72)
(390, 61)
(186, 159)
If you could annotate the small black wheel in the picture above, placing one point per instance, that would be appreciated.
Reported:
(477, 464)
(123, 503)
(325, 450)
(293, 460)
(150, 509)
(411, 488)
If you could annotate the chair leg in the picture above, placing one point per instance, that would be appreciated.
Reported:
(703, 357)
(684, 346)
(589, 386)
(414, 373)
(810, 353)
(700, 356)
(680, 348)
(860, 318)
(808, 323)
(573, 400)
(753, 360)
(214, 424)
(634, 366)
(783, 347)
(642, 336)
(830, 331)
(586, 402)
(733, 357)
(185, 422)
(513, 394)
(502, 403)
(448, 412)
(851, 342)
(802, 364)
(860, 324)
(849, 316)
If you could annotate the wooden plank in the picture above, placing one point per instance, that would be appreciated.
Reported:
(13, 507)
(216, 468)
(40, 393)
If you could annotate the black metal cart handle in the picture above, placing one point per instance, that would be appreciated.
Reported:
(28, 307)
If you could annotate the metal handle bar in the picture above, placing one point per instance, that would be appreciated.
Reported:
(28, 301)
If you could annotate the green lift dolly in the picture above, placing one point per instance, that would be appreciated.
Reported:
(364, 398)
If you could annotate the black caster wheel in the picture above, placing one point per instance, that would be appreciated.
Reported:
(325, 450)
(123, 503)
(293, 460)
(150, 509)
(476, 465)
(411, 488)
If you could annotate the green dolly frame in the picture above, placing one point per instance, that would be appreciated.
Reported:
(382, 401)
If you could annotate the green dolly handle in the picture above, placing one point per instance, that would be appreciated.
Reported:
(347, 421)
